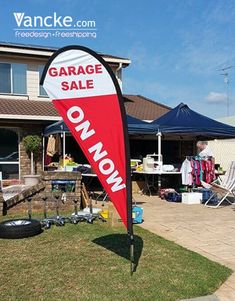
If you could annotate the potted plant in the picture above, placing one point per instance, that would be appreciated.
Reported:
(32, 144)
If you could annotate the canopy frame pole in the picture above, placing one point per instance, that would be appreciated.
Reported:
(159, 149)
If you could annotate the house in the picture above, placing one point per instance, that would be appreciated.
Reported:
(224, 149)
(25, 108)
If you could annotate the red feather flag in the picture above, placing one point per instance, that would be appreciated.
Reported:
(87, 95)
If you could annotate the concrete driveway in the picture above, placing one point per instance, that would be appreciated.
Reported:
(207, 231)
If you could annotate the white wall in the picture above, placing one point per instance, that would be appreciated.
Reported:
(224, 151)
(33, 77)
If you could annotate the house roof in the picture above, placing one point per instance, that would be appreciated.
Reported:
(144, 108)
(27, 109)
(136, 106)
(46, 51)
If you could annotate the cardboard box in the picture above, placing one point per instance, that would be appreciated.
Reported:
(191, 198)
(137, 186)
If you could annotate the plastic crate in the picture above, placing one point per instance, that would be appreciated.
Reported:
(191, 198)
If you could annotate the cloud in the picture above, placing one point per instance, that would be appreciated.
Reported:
(216, 98)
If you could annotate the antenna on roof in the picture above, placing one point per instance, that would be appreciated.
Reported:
(226, 81)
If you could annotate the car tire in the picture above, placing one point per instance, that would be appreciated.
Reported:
(20, 228)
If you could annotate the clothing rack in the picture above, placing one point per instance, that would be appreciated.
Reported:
(196, 169)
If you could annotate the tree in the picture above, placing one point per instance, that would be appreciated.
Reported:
(32, 144)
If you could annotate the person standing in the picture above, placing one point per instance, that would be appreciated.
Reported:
(203, 150)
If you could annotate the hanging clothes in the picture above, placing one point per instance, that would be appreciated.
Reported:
(58, 147)
(51, 146)
(201, 170)
(210, 171)
(48, 160)
(186, 173)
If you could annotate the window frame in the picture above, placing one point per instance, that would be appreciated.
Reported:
(18, 141)
(41, 95)
(11, 81)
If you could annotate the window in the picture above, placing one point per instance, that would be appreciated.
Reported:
(42, 91)
(13, 78)
(9, 153)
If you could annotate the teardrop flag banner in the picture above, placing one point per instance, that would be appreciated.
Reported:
(86, 93)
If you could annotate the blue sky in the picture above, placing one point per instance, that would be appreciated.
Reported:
(176, 47)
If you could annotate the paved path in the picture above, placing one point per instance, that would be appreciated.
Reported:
(209, 232)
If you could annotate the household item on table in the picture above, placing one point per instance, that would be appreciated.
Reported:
(157, 161)
(148, 164)
(139, 167)
(84, 169)
(168, 167)
(191, 198)
(137, 215)
(135, 163)
(222, 188)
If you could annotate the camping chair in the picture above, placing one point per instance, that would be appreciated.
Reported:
(224, 187)
(87, 202)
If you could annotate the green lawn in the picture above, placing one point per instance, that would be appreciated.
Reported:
(89, 262)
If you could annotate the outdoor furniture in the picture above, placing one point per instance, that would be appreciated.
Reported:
(224, 187)
(87, 202)
(87, 179)
(149, 179)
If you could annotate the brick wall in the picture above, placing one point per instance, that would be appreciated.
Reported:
(24, 158)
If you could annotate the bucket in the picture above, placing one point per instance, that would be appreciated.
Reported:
(137, 215)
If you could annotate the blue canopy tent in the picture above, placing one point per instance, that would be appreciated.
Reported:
(182, 121)
(135, 127)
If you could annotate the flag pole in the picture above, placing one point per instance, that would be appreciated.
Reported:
(132, 256)
(129, 200)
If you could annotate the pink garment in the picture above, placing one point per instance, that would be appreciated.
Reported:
(210, 171)
(48, 160)
(197, 172)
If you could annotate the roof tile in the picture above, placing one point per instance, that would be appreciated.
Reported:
(136, 106)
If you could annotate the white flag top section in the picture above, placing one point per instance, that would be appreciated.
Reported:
(88, 78)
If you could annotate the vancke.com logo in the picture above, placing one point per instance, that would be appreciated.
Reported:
(53, 26)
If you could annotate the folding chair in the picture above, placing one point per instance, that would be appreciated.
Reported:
(224, 187)
(87, 202)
